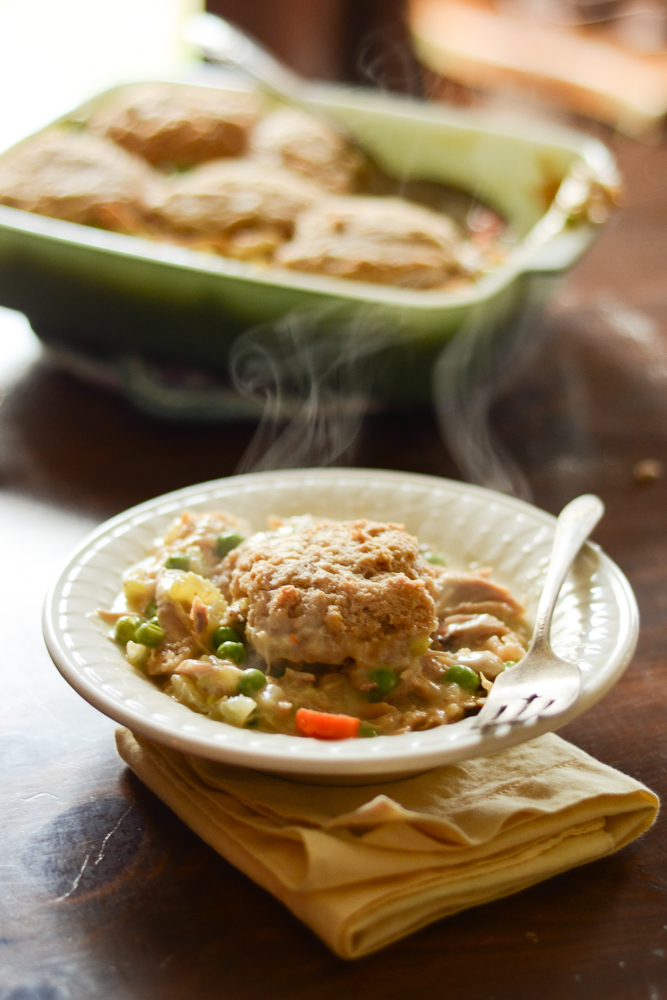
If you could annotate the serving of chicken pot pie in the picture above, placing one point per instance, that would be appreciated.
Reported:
(322, 628)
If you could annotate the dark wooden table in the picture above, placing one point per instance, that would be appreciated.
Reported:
(107, 896)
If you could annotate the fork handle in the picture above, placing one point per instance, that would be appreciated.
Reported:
(574, 525)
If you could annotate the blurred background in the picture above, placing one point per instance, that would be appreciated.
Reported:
(597, 65)
(603, 60)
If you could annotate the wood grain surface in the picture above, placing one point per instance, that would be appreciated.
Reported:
(105, 895)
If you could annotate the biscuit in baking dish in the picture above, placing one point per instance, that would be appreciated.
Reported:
(73, 175)
(179, 125)
(237, 207)
(384, 240)
(308, 146)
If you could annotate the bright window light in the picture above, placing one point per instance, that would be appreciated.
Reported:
(54, 54)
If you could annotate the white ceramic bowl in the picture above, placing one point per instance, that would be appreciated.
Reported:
(595, 625)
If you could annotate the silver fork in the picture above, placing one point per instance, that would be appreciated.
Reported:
(541, 683)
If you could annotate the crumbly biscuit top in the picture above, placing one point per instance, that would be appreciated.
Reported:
(333, 591)
(308, 146)
(385, 240)
(179, 124)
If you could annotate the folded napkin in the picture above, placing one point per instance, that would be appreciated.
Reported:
(365, 866)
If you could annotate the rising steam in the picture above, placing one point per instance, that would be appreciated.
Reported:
(314, 377)
(474, 369)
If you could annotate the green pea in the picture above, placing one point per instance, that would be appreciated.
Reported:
(250, 681)
(385, 680)
(366, 731)
(434, 558)
(149, 634)
(463, 676)
(234, 651)
(225, 543)
(224, 634)
(150, 610)
(178, 560)
(510, 663)
(126, 628)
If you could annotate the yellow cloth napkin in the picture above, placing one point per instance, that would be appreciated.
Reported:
(365, 866)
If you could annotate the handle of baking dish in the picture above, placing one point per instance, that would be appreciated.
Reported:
(558, 253)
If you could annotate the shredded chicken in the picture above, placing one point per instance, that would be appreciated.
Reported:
(475, 594)
(465, 629)
(199, 615)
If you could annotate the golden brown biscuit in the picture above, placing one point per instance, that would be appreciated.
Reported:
(236, 207)
(334, 591)
(383, 240)
(307, 145)
(179, 125)
(69, 174)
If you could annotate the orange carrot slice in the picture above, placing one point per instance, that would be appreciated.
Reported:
(326, 725)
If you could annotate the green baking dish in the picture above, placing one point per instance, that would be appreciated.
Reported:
(122, 297)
